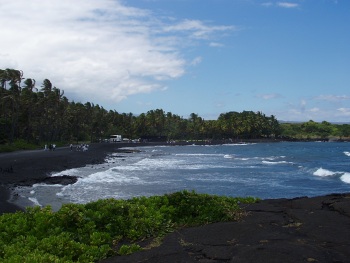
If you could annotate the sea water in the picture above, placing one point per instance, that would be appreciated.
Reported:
(264, 170)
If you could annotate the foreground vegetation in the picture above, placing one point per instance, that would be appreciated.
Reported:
(90, 232)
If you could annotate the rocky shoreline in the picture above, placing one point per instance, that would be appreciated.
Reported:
(278, 230)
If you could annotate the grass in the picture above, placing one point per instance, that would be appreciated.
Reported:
(97, 230)
(17, 146)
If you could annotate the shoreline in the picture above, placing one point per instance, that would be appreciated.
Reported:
(26, 168)
(273, 230)
(302, 229)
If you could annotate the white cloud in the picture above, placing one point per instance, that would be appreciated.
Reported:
(333, 98)
(215, 44)
(280, 4)
(344, 112)
(287, 5)
(99, 51)
(315, 110)
(299, 112)
(196, 61)
(269, 96)
(267, 4)
(197, 28)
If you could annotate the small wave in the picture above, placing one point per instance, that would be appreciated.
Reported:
(34, 201)
(202, 166)
(324, 172)
(347, 153)
(345, 178)
(229, 156)
(238, 144)
(198, 154)
(46, 185)
(109, 177)
(69, 172)
(280, 162)
(272, 158)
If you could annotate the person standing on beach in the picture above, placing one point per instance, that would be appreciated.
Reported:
(71, 147)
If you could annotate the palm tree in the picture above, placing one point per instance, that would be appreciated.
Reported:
(28, 102)
(14, 77)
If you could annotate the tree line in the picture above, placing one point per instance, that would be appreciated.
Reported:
(42, 114)
(315, 130)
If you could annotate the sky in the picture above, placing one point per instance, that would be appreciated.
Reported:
(287, 58)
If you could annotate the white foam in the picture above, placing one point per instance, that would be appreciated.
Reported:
(109, 176)
(199, 154)
(272, 158)
(97, 186)
(46, 185)
(323, 172)
(202, 166)
(229, 156)
(34, 201)
(238, 144)
(347, 153)
(345, 178)
(151, 164)
(69, 172)
(280, 162)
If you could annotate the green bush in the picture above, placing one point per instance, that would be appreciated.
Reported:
(17, 145)
(91, 232)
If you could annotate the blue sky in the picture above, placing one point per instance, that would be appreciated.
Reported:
(287, 58)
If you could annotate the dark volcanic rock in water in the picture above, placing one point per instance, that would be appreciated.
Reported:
(63, 180)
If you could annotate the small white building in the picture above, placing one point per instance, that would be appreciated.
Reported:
(115, 138)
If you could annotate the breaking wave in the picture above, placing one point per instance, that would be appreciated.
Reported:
(278, 162)
(345, 178)
(34, 201)
(324, 172)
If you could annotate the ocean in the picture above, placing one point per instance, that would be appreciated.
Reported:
(263, 170)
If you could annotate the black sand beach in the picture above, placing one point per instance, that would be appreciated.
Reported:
(281, 230)
(29, 167)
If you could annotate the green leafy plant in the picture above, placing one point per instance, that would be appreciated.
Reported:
(91, 232)
(128, 249)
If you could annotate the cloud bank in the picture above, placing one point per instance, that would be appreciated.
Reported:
(99, 51)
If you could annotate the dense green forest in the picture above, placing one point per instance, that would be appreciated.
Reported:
(315, 130)
(39, 114)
